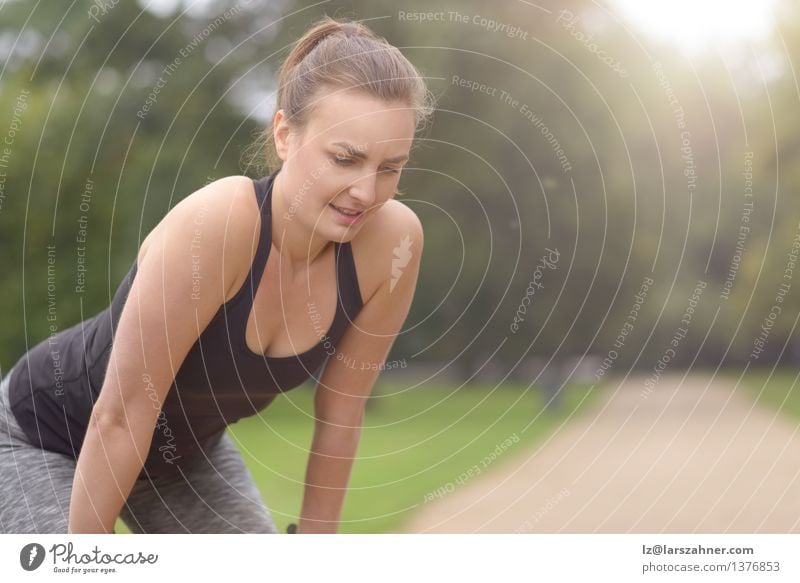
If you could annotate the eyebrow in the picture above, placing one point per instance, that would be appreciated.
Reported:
(355, 152)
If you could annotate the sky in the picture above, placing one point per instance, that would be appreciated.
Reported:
(695, 26)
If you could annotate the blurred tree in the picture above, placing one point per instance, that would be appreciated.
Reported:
(538, 142)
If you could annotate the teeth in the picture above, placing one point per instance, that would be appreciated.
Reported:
(346, 212)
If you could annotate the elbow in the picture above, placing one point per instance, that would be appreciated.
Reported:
(106, 417)
(132, 418)
(109, 428)
(119, 433)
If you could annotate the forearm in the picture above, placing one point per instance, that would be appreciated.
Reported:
(110, 461)
(330, 462)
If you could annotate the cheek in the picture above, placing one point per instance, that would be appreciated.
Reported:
(319, 194)
(387, 190)
(325, 188)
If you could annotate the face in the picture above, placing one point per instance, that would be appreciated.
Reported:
(348, 157)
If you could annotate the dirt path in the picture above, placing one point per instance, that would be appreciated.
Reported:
(694, 455)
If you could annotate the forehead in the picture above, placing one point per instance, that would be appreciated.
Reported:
(359, 118)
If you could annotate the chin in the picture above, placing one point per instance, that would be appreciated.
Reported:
(334, 233)
(333, 230)
(343, 237)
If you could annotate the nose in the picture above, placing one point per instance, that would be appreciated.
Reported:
(363, 190)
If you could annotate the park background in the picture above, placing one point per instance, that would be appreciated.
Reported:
(610, 202)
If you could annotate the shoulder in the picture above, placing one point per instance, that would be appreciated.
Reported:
(233, 194)
(393, 238)
(402, 219)
(230, 195)
(221, 218)
(393, 219)
(226, 201)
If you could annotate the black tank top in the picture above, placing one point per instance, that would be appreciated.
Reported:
(55, 384)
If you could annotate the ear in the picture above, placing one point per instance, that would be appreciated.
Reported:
(281, 134)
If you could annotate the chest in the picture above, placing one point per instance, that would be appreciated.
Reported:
(292, 314)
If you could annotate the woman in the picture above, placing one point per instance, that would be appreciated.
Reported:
(245, 289)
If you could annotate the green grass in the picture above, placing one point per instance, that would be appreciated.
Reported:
(781, 391)
(414, 442)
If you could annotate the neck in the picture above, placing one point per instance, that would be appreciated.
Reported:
(298, 247)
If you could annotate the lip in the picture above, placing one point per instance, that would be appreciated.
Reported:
(348, 220)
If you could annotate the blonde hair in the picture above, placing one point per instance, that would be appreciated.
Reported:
(344, 55)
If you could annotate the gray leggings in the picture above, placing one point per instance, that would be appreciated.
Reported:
(215, 495)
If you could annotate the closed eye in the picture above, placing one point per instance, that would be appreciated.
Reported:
(349, 161)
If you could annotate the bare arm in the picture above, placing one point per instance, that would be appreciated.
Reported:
(343, 390)
(158, 325)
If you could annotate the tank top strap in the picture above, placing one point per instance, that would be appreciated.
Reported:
(348, 291)
(263, 188)
(237, 309)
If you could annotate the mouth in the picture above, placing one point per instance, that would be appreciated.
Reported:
(348, 215)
